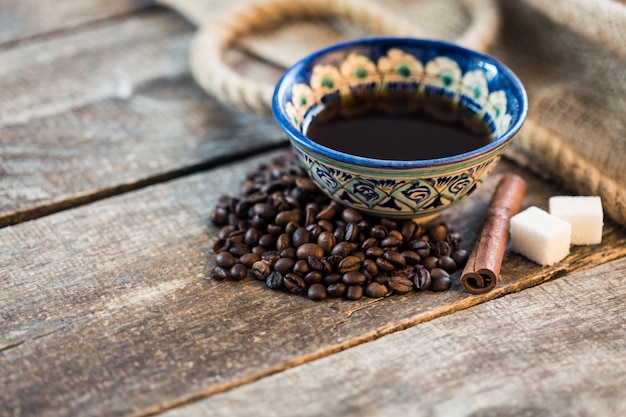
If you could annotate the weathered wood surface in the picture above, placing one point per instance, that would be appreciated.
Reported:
(88, 114)
(20, 19)
(553, 350)
(106, 310)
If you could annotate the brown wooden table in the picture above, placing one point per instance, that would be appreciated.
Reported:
(111, 161)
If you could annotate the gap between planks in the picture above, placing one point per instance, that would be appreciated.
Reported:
(52, 207)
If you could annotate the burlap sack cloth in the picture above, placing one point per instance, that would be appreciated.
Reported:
(570, 55)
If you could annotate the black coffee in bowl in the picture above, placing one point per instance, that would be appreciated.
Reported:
(393, 135)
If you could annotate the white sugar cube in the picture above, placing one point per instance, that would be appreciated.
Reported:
(583, 213)
(539, 236)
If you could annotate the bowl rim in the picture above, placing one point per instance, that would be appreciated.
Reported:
(295, 135)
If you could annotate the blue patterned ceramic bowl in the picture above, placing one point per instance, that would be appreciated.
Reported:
(448, 82)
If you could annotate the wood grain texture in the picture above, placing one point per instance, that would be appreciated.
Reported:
(554, 350)
(109, 109)
(106, 310)
(20, 19)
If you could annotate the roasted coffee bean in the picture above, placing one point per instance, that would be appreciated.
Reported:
(306, 183)
(310, 211)
(315, 230)
(238, 249)
(284, 265)
(274, 229)
(384, 265)
(259, 250)
(332, 278)
(411, 257)
(300, 236)
(369, 243)
(283, 242)
(334, 260)
(460, 257)
(285, 217)
(258, 222)
(376, 290)
(447, 264)
(233, 219)
(238, 272)
(264, 211)
(340, 233)
(326, 240)
(374, 252)
(219, 216)
(408, 229)
(421, 279)
(437, 233)
(248, 259)
(378, 232)
(454, 239)
(237, 236)
(294, 283)
(352, 232)
(353, 278)
(391, 241)
(252, 237)
(256, 197)
(370, 266)
(350, 215)
(260, 270)
(220, 245)
(316, 264)
(317, 292)
(301, 267)
(382, 279)
(359, 254)
(327, 212)
(291, 227)
(421, 247)
(313, 277)
(354, 292)
(349, 263)
(342, 249)
(440, 249)
(431, 262)
(225, 260)
(327, 225)
(336, 290)
(288, 253)
(226, 231)
(242, 207)
(400, 285)
(395, 258)
(389, 224)
(267, 240)
(405, 272)
(218, 273)
(309, 249)
(274, 280)
(270, 256)
(440, 280)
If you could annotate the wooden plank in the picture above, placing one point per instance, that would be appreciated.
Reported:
(21, 19)
(557, 349)
(105, 309)
(106, 110)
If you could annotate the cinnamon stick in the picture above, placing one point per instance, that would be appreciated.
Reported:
(482, 270)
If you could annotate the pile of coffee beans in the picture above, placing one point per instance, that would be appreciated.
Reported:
(283, 231)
